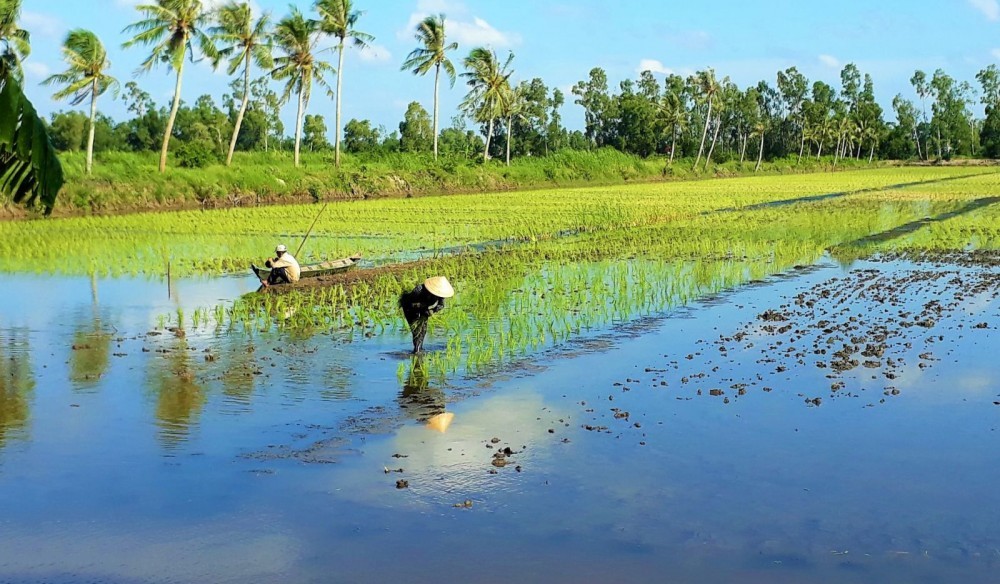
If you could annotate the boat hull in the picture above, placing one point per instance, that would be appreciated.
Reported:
(313, 270)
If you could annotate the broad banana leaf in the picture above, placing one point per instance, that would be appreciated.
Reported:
(30, 172)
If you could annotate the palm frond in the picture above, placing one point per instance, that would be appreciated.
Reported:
(30, 172)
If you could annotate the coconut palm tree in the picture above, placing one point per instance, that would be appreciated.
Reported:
(15, 42)
(821, 132)
(728, 94)
(674, 116)
(708, 86)
(514, 106)
(85, 78)
(758, 130)
(244, 42)
(338, 19)
(297, 37)
(844, 127)
(489, 87)
(172, 28)
(433, 53)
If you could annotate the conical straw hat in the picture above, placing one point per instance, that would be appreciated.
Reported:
(439, 286)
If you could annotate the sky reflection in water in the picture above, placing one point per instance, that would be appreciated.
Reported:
(264, 459)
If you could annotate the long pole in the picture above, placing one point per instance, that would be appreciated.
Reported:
(310, 229)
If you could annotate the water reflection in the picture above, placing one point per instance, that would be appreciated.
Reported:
(239, 372)
(179, 396)
(17, 384)
(418, 399)
(447, 457)
(90, 354)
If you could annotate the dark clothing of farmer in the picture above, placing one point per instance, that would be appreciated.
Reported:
(420, 303)
(277, 276)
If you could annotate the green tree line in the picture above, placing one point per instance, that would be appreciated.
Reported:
(701, 116)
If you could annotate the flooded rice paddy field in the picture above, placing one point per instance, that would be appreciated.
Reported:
(824, 412)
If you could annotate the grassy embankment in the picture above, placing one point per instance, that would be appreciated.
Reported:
(124, 182)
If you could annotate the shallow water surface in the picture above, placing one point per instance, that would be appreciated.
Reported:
(678, 446)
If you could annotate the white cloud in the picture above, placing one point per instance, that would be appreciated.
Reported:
(479, 32)
(40, 24)
(375, 54)
(36, 69)
(829, 61)
(654, 66)
(996, 54)
(469, 31)
(989, 8)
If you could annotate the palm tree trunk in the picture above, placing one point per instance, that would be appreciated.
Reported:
(298, 129)
(340, 78)
(170, 120)
(802, 146)
(90, 135)
(437, 79)
(743, 148)
(510, 121)
(704, 132)
(819, 153)
(715, 137)
(871, 155)
(916, 140)
(489, 135)
(673, 144)
(243, 110)
(760, 153)
(836, 152)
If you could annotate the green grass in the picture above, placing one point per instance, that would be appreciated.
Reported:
(129, 182)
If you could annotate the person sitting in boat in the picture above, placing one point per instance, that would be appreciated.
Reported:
(420, 303)
(284, 268)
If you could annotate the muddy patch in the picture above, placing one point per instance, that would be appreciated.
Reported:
(864, 334)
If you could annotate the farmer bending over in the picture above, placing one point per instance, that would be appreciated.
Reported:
(284, 268)
(420, 303)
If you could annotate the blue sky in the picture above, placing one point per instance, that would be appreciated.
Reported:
(561, 40)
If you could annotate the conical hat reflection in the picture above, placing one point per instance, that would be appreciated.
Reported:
(440, 422)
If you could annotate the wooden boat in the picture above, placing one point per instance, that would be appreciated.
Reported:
(313, 270)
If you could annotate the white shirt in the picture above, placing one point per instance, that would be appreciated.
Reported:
(290, 264)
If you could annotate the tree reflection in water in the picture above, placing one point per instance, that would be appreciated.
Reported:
(17, 384)
(179, 396)
(91, 350)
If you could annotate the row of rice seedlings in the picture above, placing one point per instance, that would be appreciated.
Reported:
(200, 242)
